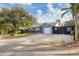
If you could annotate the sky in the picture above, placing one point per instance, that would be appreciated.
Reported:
(43, 12)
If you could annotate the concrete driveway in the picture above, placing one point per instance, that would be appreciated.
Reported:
(38, 44)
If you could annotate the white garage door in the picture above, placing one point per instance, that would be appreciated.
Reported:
(48, 30)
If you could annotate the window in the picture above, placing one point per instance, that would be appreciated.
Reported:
(69, 28)
(55, 28)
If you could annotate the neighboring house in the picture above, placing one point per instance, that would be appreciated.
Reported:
(33, 28)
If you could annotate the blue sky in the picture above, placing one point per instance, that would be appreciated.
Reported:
(44, 12)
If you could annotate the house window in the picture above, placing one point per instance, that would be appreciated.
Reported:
(55, 28)
(69, 29)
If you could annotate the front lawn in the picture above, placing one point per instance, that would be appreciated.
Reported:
(17, 35)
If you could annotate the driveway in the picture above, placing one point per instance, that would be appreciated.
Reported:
(38, 44)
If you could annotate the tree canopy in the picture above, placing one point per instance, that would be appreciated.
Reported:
(14, 18)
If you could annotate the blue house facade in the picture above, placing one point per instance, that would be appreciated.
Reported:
(49, 29)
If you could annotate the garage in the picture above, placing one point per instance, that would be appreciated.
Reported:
(46, 28)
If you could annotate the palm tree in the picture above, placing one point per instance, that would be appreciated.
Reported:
(74, 9)
(75, 17)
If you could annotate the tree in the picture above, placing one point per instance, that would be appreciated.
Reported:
(68, 22)
(12, 19)
(4, 24)
(75, 17)
(74, 9)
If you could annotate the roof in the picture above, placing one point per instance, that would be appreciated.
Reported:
(45, 25)
(36, 25)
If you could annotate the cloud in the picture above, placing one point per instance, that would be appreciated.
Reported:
(9, 5)
(64, 5)
(51, 15)
(47, 17)
(39, 12)
(50, 8)
(28, 4)
(23, 4)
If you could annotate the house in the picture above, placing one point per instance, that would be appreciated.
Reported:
(49, 27)
(57, 27)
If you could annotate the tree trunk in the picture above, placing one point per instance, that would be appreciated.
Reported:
(11, 35)
(76, 35)
(75, 16)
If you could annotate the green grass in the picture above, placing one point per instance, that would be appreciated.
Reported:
(17, 35)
